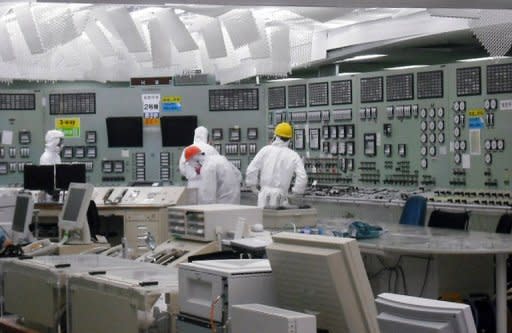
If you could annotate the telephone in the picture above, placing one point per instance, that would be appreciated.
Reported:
(40, 247)
(114, 196)
(131, 195)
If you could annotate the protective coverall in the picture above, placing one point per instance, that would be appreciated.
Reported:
(201, 141)
(275, 164)
(53, 146)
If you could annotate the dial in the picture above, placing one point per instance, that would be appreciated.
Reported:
(440, 112)
(494, 144)
(423, 125)
(432, 138)
(487, 144)
(424, 163)
(432, 125)
(423, 112)
(456, 119)
(440, 125)
(432, 151)
(501, 144)
(423, 150)
(423, 137)
(456, 145)
(457, 158)
(456, 132)
(440, 138)
(494, 104)
(463, 145)
(455, 106)
(487, 104)
(488, 158)
(432, 112)
(462, 106)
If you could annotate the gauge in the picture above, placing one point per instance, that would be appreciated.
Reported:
(487, 104)
(423, 150)
(432, 151)
(488, 158)
(423, 125)
(455, 106)
(456, 145)
(423, 113)
(440, 125)
(501, 144)
(440, 112)
(456, 132)
(457, 158)
(487, 144)
(424, 163)
(462, 106)
(494, 144)
(463, 145)
(494, 104)
(440, 138)
(432, 125)
(456, 119)
(432, 112)
(423, 137)
(432, 138)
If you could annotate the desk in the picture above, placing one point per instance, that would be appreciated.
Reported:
(405, 239)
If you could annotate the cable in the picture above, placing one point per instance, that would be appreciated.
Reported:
(427, 271)
(212, 314)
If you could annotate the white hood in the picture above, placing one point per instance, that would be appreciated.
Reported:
(200, 135)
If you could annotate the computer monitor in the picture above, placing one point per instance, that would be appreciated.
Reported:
(400, 313)
(324, 276)
(22, 217)
(68, 173)
(177, 131)
(73, 217)
(39, 177)
(124, 132)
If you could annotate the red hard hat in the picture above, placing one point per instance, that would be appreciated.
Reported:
(191, 151)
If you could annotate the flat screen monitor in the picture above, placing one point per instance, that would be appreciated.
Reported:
(69, 173)
(22, 217)
(324, 276)
(39, 177)
(178, 131)
(73, 216)
(124, 132)
(400, 314)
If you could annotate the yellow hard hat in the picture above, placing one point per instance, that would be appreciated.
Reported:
(284, 130)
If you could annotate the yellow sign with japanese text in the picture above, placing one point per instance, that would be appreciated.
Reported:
(69, 126)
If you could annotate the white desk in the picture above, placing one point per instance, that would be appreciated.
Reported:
(405, 239)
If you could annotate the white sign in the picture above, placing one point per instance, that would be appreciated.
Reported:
(506, 105)
(151, 105)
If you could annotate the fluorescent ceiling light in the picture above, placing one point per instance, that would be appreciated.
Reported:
(348, 73)
(405, 67)
(481, 59)
(363, 57)
(285, 79)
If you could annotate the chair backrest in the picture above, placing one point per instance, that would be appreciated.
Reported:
(93, 219)
(414, 210)
(504, 224)
(443, 219)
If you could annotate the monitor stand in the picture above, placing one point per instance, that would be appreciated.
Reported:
(80, 236)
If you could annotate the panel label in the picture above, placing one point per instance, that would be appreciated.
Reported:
(476, 113)
(476, 123)
(506, 105)
(171, 104)
(151, 109)
(69, 126)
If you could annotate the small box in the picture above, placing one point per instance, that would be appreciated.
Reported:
(274, 218)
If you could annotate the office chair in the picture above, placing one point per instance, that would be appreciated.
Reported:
(443, 219)
(414, 210)
(504, 224)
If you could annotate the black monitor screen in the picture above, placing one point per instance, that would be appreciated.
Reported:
(73, 204)
(20, 213)
(68, 173)
(39, 177)
(124, 132)
(178, 131)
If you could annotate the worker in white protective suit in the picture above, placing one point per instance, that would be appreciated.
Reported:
(200, 141)
(276, 164)
(220, 179)
(53, 146)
